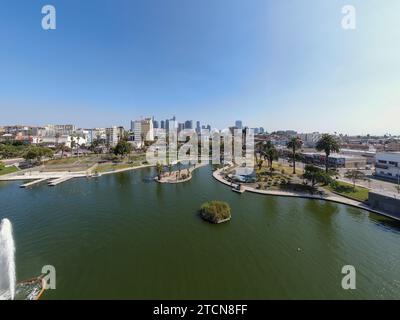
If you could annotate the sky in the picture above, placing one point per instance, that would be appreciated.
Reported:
(277, 64)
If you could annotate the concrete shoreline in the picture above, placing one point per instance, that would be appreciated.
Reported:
(174, 181)
(337, 199)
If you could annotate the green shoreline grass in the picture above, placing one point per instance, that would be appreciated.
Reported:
(7, 170)
(347, 190)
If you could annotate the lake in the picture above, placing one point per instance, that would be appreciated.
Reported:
(124, 236)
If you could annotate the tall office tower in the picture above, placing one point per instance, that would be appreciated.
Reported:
(143, 130)
(162, 124)
(167, 124)
(198, 127)
(181, 126)
(189, 124)
(239, 124)
(155, 124)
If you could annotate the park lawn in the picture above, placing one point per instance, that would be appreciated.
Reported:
(107, 167)
(7, 170)
(288, 169)
(347, 190)
(70, 160)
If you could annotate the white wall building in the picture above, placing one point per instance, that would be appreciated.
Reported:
(143, 130)
(112, 136)
(387, 165)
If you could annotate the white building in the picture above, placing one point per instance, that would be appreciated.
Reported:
(387, 165)
(112, 136)
(143, 130)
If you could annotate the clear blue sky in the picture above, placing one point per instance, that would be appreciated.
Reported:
(278, 64)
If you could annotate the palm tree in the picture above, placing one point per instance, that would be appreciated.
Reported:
(327, 143)
(294, 144)
(270, 153)
(159, 169)
(62, 148)
(170, 168)
(258, 150)
(179, 168)
(57, 136)
(355, 175)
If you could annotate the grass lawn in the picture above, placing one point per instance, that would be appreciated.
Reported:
(288, 169)
(347, 190)
(112, 167)
(70, 160)
(8, 170)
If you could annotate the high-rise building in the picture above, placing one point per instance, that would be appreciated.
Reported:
(181, 126)
(198, 127)
(239, 124)
(143, 130)
(112, 136)
(189, 124)
(162, 124)
(155, 124)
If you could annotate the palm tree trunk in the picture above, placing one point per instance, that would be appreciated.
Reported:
(327, 163)
(294, 160)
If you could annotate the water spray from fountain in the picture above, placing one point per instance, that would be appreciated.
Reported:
(7, 261)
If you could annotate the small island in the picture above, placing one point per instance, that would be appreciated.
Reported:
(215, 212)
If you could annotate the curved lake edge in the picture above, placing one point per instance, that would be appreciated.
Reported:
(336, 199)
(216, 174)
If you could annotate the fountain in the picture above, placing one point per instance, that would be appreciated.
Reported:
(7, 261)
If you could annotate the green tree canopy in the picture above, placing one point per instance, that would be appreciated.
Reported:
(294, 144)
(269, 152)
(316, 175)
(355, 175)
(122, 148)
(327, 143)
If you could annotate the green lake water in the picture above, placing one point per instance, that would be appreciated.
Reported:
(123, 237)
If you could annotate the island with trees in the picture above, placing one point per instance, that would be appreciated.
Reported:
(215, 212)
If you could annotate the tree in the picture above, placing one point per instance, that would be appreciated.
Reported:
(2, 165)
(170, 168)
(260, 163)
(179, 164)
(258, 150)
(58, 135)
(38, 153)
(122, 148)
(327, 143)
(354, 175)
(294, 144)
(316, 175)
(159, 168)
(270, 153)
(94, 145)
(62, 147)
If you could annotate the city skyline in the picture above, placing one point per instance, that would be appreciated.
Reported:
(269, 64)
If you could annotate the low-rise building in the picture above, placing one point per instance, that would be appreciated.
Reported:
(335, 160)
(387, 165)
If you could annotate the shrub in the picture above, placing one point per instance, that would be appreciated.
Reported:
(215, 211)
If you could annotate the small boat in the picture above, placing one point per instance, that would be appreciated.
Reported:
(238, 189)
